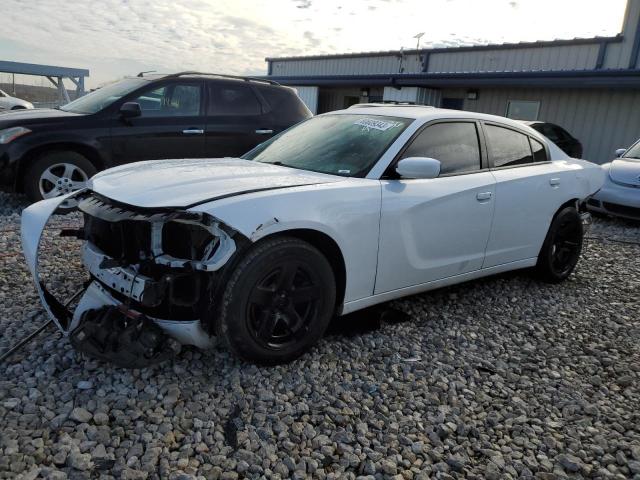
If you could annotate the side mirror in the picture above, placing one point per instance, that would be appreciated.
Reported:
(620, 152)
(130, 110)
(418, 167)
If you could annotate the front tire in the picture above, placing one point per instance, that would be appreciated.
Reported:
(56, 173)
(562, 247)
(278, 301)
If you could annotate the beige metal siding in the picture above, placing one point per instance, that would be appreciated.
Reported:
(568, 57)
(602, 120)
(309, 95)
(347, 66)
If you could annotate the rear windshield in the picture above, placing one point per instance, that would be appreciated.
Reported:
(346, 145)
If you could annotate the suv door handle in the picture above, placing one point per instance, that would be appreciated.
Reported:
(264, 131)
(554, 182)
(193, 131)
(484, 196)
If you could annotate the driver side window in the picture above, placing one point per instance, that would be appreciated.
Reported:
(174, 100)
(454, 144)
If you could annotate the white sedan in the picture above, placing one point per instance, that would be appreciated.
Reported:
(7, 102)
(343, 211)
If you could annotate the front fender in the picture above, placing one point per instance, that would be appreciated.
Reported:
(347, 212)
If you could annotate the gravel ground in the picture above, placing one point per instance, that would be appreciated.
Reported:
(499, 378)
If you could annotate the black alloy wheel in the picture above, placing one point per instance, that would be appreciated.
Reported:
(562, 246)
(283, 304)
(278, 301)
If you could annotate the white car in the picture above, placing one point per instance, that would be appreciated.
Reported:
(620, 194)
(343, 211)
(7, 102)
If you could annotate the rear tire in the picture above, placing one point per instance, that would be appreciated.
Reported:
(278, 301)
(562, 247)
(56, 173)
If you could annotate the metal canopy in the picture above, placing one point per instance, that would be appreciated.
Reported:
(55, 74)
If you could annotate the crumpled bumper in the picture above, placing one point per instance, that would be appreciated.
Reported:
(96, 297)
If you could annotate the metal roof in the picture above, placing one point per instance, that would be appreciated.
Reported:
(621, 78)
(41, 70)
(463, 48)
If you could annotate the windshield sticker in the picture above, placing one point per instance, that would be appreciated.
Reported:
(368, 123)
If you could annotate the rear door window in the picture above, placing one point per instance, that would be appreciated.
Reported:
(508, 147)
(233, 100)
(454, 144)
(539, 152)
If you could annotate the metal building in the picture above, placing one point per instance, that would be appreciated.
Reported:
(589, 86)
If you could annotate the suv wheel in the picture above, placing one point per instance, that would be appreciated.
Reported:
(278, 301)
(57, 173)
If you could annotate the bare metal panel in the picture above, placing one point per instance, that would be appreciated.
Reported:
(566, 57)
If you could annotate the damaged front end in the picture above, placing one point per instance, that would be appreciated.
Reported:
(154, 274)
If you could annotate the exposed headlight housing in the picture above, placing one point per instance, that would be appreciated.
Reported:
(9, 134)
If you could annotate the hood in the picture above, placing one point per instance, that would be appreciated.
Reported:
(15, 118)
(625, 171)
(185, 183)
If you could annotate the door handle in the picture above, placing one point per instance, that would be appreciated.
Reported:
(484, 196)
(264, 131)
(193, 131)
(554, 182)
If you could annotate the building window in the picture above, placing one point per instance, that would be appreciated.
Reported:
(523, 109)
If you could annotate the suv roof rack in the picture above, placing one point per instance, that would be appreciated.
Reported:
(222, 75)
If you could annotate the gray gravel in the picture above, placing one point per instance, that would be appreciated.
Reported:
(498, 378)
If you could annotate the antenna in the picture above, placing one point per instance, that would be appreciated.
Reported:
(418, 36)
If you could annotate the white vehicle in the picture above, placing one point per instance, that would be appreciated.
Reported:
(620, 195)
(7, 102)
(343, 211)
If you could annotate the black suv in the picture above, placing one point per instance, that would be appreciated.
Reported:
(46, 153)
(558, 135)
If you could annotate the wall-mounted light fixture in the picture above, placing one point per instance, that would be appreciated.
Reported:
(365, 92)
(472, 94)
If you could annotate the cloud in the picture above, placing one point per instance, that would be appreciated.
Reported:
(302, 3)
(117, 37)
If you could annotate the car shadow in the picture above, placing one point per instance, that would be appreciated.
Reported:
(365, 321)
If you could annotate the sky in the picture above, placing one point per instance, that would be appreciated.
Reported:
(115, 38)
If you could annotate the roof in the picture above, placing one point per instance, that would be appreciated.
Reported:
(422, 112)
(221, 76)
(620, 78)
(463, 48)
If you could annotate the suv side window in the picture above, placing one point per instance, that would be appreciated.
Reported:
(508, 147)
(230, 100)
(561, 133)
(284, 104)
(173, 100)
(455, 144)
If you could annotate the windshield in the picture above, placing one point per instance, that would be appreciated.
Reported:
(346, 145)
(633, 152)
(103, 97)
